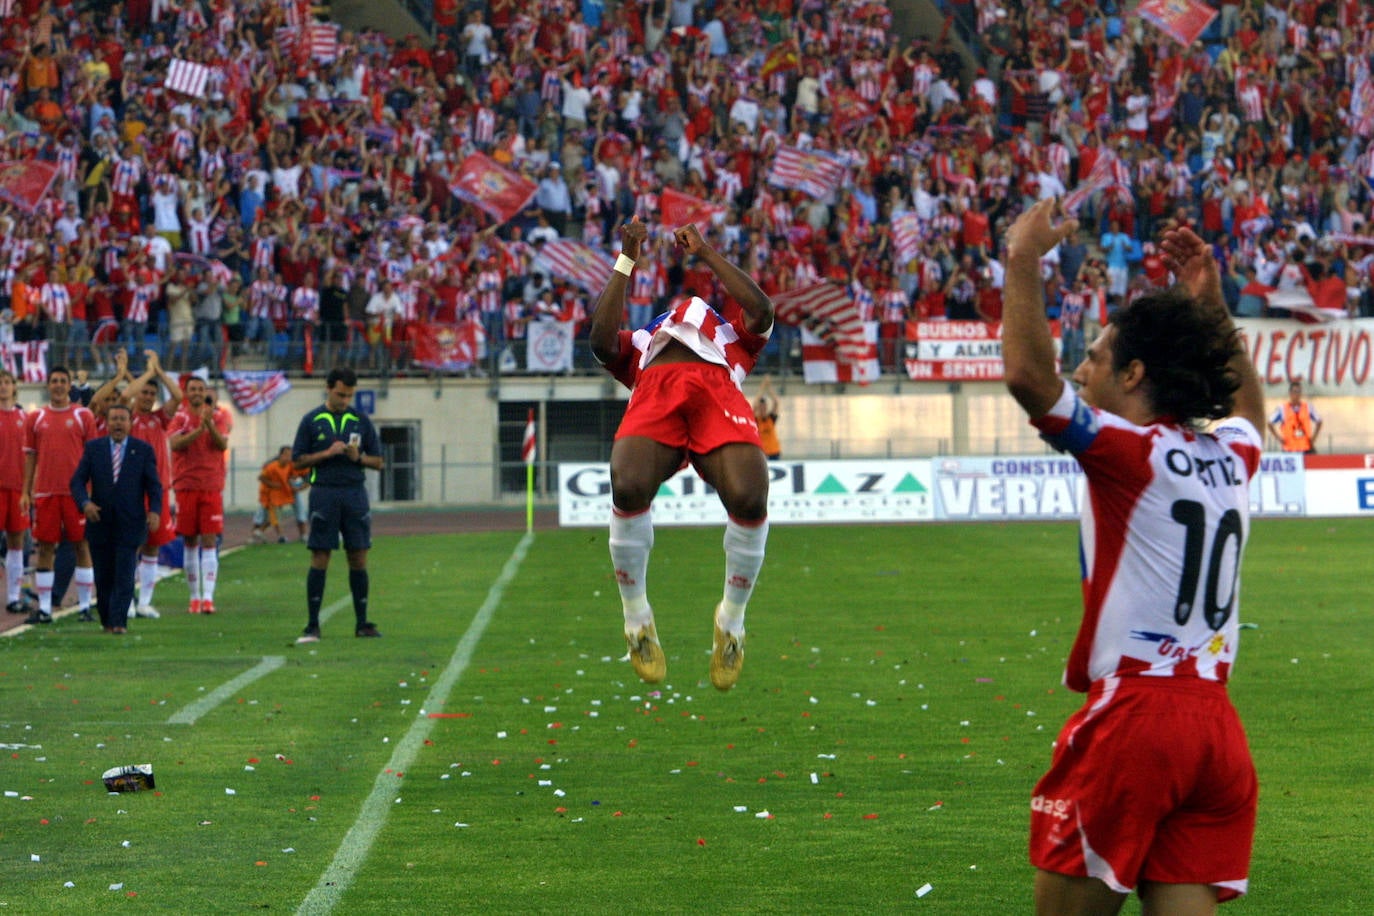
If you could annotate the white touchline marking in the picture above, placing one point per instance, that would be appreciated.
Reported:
(352, 852)
(189, 714)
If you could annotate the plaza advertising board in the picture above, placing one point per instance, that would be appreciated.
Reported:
(979, 488)
(808, 492)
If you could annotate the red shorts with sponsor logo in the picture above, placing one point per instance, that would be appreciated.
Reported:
(11, 517)
(166, 529)
(56, 519)
(1151, 781)
(199, 512)
(693, 406)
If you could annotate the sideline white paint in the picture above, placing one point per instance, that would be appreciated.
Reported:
(189, 714)
(353, 851)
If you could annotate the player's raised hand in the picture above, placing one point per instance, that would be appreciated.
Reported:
(632, 236)
(689, 237)
(1036, 231)
(1190, 259)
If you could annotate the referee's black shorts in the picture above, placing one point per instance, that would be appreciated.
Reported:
(340, 512)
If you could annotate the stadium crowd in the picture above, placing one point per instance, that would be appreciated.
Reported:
(301, 210)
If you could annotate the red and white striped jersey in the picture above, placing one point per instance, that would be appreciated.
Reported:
(56, 301)
(701, 329)
(305, 304)
(264, 252)
(648, 282)
(489, 283)
(260, 293)
(124, 181)
(1164, 524)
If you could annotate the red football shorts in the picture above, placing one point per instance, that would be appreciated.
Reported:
(199, 512)
(693, 406)
(11, 518)
(1151, 781)
(55, 516)
(166, 529)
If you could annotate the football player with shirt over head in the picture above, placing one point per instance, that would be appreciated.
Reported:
(685, 371)
(1151, 787)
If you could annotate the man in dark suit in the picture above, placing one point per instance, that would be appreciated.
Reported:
(117, 488)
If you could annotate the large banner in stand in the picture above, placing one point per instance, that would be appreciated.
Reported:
(799, 492)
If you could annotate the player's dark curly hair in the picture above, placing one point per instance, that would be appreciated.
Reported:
(1185, 348)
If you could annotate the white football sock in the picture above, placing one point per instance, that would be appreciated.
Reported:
(191, 565)
(14, 573)
(42, 582)
(84, 577)
(147, 578)
(632, 537)
(209, 572)
(744, 550)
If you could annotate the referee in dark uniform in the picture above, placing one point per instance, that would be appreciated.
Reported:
(337, 442)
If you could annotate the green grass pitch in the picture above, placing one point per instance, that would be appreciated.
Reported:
(492, 753)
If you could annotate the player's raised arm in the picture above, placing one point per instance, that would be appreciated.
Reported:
(1027, 346)
(758, 308)
(1191, 261)
(609, 312)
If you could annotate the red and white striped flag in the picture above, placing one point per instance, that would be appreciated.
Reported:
(576, 262)
(35, 354)
(187, 77)
(254, 392)
(906, 236)
(808, 171)
(827, 312)
(324, 40)
(821, 362)
(1108, 172)
(529, 446)
(679, 209)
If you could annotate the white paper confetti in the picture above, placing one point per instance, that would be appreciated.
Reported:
(230, 792)
(924, 889)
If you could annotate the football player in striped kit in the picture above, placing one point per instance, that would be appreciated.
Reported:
(685, 370)
(1151, 787)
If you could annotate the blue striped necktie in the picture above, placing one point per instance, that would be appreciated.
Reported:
(118, 459)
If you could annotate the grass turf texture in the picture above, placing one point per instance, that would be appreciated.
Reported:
(899, 697)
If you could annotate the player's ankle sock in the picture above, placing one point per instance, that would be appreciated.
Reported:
(314, 594)
(744, 550)
(357, 584)
(42, 582)
(191, 565)
(147, 578)
(84, 579)
(632, 537)
(209, 572)
(14, 574)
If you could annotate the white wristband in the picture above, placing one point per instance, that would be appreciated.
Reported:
(624, 265)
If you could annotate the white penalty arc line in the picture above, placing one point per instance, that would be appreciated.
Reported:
(188, 715)
(357, 843)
